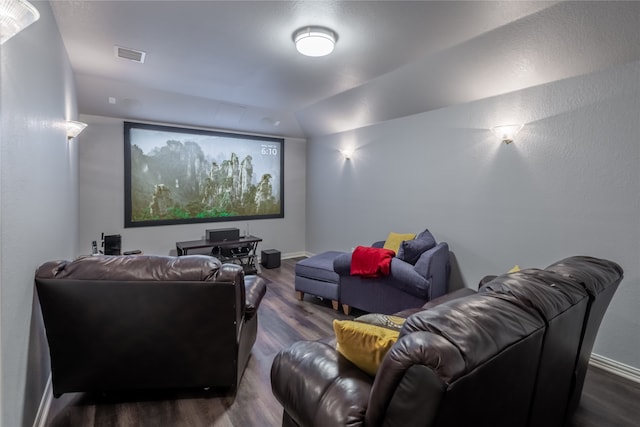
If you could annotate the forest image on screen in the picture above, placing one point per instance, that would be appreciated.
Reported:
(179, 176)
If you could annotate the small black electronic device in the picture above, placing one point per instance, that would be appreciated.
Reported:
(222, 234)
(270, 258)
(112, 244)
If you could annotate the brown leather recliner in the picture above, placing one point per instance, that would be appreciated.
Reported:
(511, 354)
(147, 322)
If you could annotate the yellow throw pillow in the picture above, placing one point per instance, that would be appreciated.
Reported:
(363, 344)
(395, 239)
(515, 269)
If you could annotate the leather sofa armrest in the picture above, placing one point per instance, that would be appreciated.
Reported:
(485, 280)
(419, 364)
(317, 386)
(233, 273)
(50, 269)
(229, 273)
(255, 288)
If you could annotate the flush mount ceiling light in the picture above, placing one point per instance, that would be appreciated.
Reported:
(15, 16)
(314, 41)
(506, 133)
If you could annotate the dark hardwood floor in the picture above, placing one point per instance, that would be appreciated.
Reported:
(607, 400)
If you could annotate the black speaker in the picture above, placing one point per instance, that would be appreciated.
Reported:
(270, 258)
(222, 234)
(112, 244)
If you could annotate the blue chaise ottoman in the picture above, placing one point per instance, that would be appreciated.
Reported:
(315, 276)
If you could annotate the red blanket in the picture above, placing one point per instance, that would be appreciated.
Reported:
(371, 262)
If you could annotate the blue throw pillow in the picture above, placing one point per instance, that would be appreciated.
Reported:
(410, 250)
(426, 235)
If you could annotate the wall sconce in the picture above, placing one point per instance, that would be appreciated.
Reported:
(506, 133)
(347, 154)
(15, 16)
(74, 128)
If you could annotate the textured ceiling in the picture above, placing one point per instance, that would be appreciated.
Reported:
(232, 65)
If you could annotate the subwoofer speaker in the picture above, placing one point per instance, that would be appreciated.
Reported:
(270, 258)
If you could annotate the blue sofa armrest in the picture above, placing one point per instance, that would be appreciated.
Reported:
(405, 277)
(342, 264)
(434, 265)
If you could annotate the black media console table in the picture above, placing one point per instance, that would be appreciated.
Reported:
(242, 251)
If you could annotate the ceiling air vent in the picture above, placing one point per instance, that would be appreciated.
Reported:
(130, 54)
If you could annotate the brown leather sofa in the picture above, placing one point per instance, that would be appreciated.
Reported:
(513, 354)
(147, 322)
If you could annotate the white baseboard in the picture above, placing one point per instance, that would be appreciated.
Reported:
(616, 368)
(294, 255)
(45, 404)
(298, 254)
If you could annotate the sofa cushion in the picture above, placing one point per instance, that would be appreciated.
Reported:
(319, 267)
(395, 239)
(363, 344)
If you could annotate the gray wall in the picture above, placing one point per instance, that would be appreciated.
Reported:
(38, 201)
(101, 199)
(569, 185)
